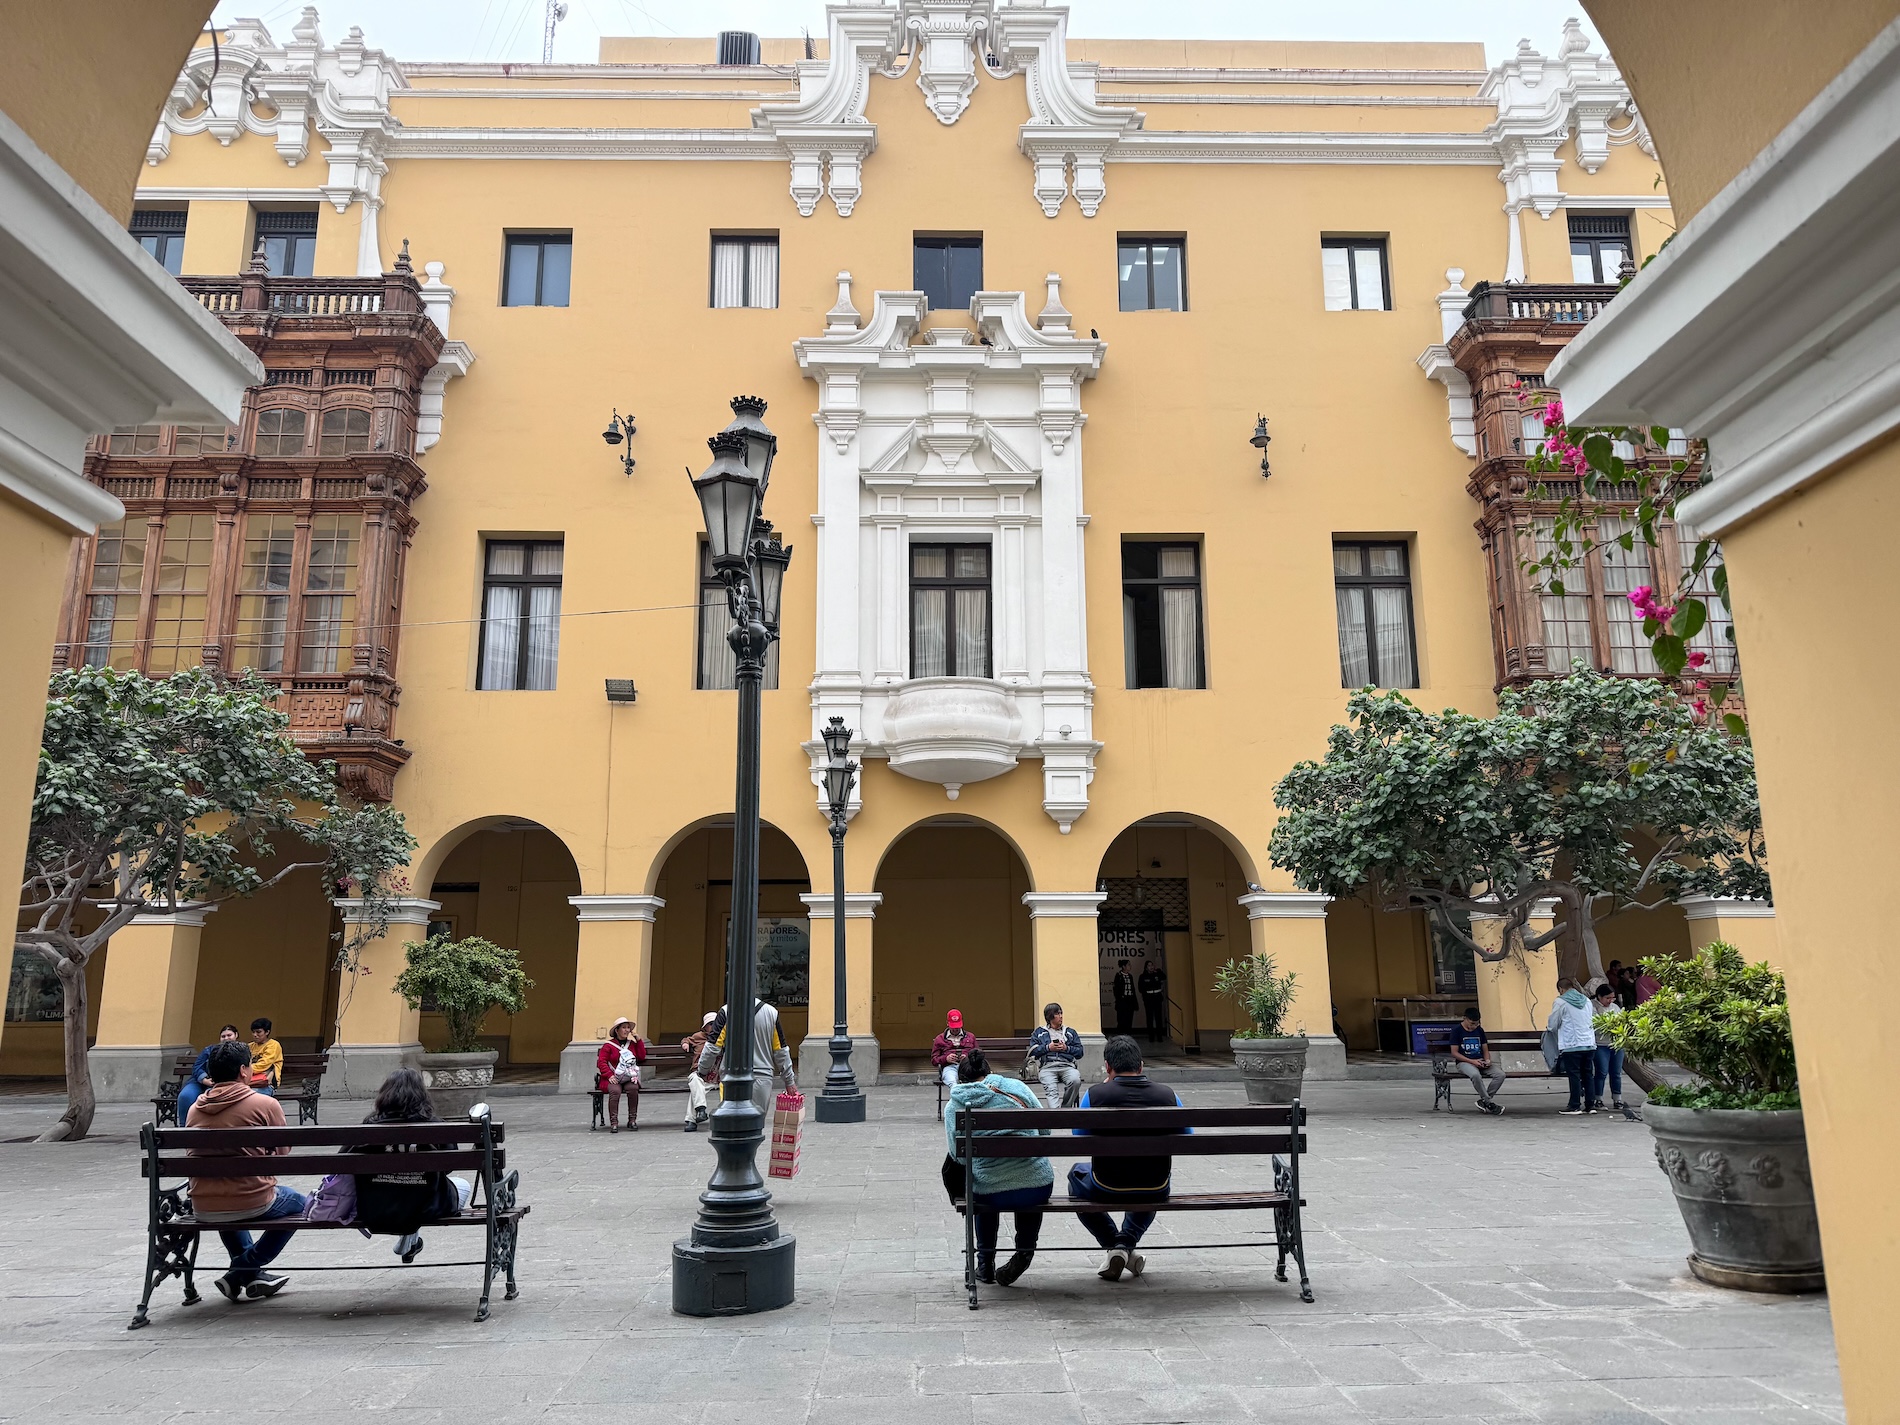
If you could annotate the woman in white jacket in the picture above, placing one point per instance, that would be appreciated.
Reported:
(1570, 1019)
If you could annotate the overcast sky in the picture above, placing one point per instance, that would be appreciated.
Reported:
(511, 29)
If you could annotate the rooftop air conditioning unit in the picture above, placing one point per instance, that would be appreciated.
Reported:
(738, 47)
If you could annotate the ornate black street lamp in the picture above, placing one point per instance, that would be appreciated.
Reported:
(842, 1100)
(736, 1262)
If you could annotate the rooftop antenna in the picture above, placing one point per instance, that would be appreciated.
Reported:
(557, 11)
(811, 50)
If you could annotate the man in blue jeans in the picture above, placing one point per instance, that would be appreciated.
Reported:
(1134, 1179)
(231, 1103)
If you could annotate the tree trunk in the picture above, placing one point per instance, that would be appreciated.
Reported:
(76, 1122)
(1587, 937)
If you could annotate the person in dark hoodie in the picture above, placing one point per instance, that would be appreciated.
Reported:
(401, 1203)
(232, 1103)
(1109, 1180)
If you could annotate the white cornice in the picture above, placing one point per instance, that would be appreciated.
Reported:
(93, 334)
(616, 908)
(606, 143)
(1285, 905)
(1076, 905)
(1724, 908)
(404, 910)
(1193, 74)
(858, 905)
(1173, 146)
(205, 193)
(191, 915)
(1771, 326)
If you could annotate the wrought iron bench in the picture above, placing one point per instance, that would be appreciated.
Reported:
(173, 1232)
(1503, 1041)
(1150, 1133)
(299, 1081)
(658, 1055)
(1005, 1056)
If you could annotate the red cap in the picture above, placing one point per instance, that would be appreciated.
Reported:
(954, 1019)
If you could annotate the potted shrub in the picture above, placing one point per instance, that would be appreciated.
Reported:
(462, 980)
(1271, 1064)
(1730, 1143)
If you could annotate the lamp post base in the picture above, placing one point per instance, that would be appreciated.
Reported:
(839, 1108)
(733, 1281)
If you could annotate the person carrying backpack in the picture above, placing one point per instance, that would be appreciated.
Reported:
(397, 1203)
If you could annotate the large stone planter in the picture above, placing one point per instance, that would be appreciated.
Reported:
(1742, 1183)
(457, 1082)
(1272, 1069)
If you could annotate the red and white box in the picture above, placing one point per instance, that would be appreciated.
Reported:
(787, 1122)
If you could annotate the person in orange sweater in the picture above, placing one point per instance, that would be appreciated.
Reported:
(232, 1103)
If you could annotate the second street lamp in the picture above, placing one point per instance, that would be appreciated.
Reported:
(736, 1261)
(842, 1100)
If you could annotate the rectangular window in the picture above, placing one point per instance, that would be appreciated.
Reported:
(521, 615)
(199, 440)
(947, 270)
(1623, 571)
(745, 272)
(1566, 616)
(950, 610)
(328, 641)
(178, 607)
(1152, 273)
(280, 432)
(112, 600)
(1372, 585)
(136, 440)
(715, 662)
(1599, 246)
(161, 232)
(1354, 275)
(537, 270)
(345, 431)
(263, 607)
(289, 241)
(1161, 615)
(1714, 639)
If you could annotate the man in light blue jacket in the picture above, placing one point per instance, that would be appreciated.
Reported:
(1571, 1019)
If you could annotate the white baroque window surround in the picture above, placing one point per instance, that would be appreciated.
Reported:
(932, 437)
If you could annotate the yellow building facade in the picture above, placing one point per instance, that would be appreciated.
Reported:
(1016, 301)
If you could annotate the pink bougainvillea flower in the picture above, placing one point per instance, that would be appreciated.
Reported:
(1698, 658)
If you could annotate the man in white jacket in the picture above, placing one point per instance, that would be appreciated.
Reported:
(1571, 1020)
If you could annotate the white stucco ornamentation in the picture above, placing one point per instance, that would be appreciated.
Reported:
(1069, 136)
(937, 437)
(251, 84)
(437, 300)
(1542, 103)
(824, 131)
(1435, 361)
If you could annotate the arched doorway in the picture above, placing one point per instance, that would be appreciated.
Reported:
(1170, 920)
(509, 882)
(951, 932)
(689, 933)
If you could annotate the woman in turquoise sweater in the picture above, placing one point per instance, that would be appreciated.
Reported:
(1016, 1185)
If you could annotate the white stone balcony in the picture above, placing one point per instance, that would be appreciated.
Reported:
(951, 730)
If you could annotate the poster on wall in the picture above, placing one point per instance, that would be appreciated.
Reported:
(784, 943)
(1133, 951)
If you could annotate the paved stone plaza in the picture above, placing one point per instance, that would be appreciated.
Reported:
(1466, 1268)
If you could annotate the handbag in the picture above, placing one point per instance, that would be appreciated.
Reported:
(953, 1183)
(1549, 1046)
(334, 1200)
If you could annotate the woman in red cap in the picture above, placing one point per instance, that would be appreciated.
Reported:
(951, 1047)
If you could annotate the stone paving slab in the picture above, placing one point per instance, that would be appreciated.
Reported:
(1470, 1269)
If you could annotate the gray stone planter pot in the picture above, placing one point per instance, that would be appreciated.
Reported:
(1742, 1183)
(1272, 1069)
(457, 1082)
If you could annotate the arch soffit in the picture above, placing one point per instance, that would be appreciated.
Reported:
(664, 852)
(956, 820)
(429, 865)
(1236, 848)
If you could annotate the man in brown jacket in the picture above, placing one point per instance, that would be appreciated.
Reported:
(696, 1084)
(231, 1103)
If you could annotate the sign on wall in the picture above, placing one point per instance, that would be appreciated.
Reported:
(1133, 949)
(784, 944)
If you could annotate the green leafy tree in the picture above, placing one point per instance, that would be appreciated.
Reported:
(1722, 1019)
(157, 793)
(1550, 799)
(464, 980)
(1262, 992)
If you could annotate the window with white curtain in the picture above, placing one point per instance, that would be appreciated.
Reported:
(1353, 273)
(1625, 570)
(1713, 639)
(1161, 615)
(1372, 586)
(950, 610)
(1566, 616)
(715, 664)
(745, 271)
(521, 615)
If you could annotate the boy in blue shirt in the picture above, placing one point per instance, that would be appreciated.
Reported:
(1471, 1052)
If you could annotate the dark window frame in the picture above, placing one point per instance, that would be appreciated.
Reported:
(541, 242)
(951, 583)
(299, 237)
(750, 240)
(523, 580)
(945, 243)
(1354, 244)
(1365, 583)
(1151, 241)
(1615, 230)
(1159, 581)
(161, 232)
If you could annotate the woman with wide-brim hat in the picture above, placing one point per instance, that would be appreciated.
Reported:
(617, 1072)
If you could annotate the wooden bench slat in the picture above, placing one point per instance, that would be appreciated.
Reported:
(1179, 1202)
(467, 1218)
(1131, 1120)
(1201, 1145)
(308, 1165)
(327, 1137)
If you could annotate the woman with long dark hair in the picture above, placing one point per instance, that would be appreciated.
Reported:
(1015, 1185)
(402, 1203)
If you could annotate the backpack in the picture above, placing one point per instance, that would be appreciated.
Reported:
(334, 1200)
